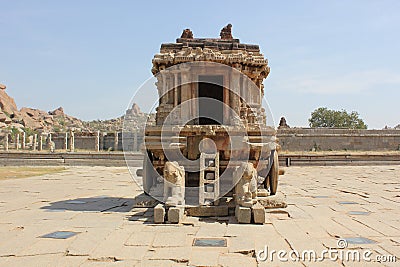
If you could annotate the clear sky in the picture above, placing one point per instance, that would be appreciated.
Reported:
(91, 56)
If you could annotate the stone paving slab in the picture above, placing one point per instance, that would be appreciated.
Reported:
(99, 204)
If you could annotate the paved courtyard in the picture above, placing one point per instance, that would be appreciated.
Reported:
(360, 204)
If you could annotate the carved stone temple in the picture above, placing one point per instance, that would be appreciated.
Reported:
(209, 150)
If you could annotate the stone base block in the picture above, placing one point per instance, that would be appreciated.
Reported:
(243, 214)
(208, 211)
(258, 213)
(159, 213)
(176, 214)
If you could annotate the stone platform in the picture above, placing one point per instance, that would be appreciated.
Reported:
(98, 204)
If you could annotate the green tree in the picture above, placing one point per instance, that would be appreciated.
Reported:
(323, 117)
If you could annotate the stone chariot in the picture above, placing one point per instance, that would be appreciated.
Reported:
(209, 151)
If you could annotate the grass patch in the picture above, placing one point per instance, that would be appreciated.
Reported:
(24, 172)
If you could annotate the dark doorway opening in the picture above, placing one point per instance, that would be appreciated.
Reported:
(211, 112)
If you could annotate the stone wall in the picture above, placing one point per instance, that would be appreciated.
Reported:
(107, 141)
(323, 139)
(291, 139)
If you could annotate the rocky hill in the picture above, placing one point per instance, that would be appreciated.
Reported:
(35, 120)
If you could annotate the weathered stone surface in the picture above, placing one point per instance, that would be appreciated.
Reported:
(109, 235)
(328, 139)
(170, 239)
(275, 201)
(243, 214)
(258, 213)
(209, 211)
(159, 213)
(175, 214)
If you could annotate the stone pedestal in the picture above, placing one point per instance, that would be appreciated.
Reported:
(159, 213)
(175, 214)
(243, 214)
(258, 213)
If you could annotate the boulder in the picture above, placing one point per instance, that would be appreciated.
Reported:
(57, 112)
(3, 117)
(32, 123)
(30, 112)
(7, 103)
(134, 111)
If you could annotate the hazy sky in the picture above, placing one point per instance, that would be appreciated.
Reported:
(91, 56)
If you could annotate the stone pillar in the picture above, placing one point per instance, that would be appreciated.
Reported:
(185, 94)
(40, 142)
(71, 141)
(163, 90)
(234, 93)
(23, 140)
(101, 141)
(115, 141)
(6, 142)
(34, 142)
(66, 141)
(175, 89)
(245, 90)
(171, 89)
(49, 144)
(135, 141)
(17, 141)
(97, 142)
(163, 87)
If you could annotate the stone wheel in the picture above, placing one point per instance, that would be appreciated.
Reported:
(273, 175)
